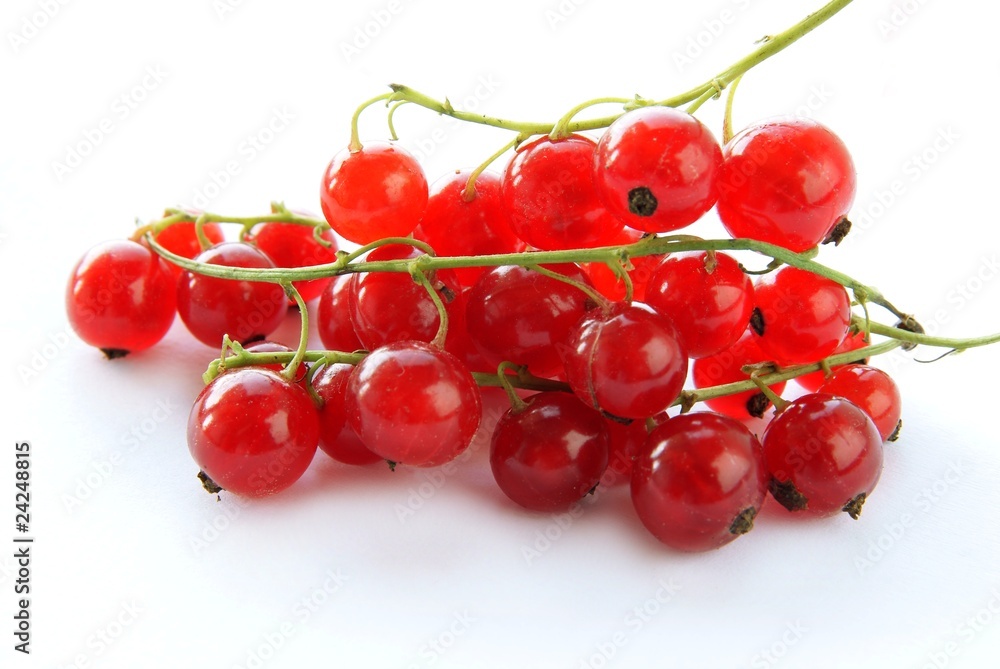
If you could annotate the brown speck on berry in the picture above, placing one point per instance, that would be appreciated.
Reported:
(895, 433)
(840, 230)
(743, 522)
(787, 495)
(114, 353)
(853, 507)
(208, 484)
(641, 201)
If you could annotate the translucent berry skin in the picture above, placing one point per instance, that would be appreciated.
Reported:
(180, 238)
(699, 481)
(813, 380)
(656, 169)
(785, 181)
(121, 297)
(710, 309)
(550, 454)
(626, 361)
(379, 191)
(516, 314)
(726, 367)
(386, 307)
(804, 316)
(821, 453)
(454, 226)
(252, 432)
(609, 284)
(245, 310)
(413, 404)
(293, 245)
(336, 437)
(625, 443)
(548, 191)
(333, 316)
(872, 390)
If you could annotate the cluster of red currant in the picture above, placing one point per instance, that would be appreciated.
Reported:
(554, 280)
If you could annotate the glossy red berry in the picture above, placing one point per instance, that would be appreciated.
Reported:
(549, 454)
(872, 390)
(786, 182)
(121, 297)
(333, 316)
(377, 192)
(698, 482)
(625, 361)
(520, 315)
(813, 380)
(180, 238)
(387, 307)
(252, 432)
(293, 245)
(707, 298)
(245, 310)
(823, 455)
(609, 284)
(726, 367)
(413, 404)
(454, 226)
(549, 193)
(656, 169)
(626, 441)
(800, 317)
(336, 437)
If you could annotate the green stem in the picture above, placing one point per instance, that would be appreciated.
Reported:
(355, 144)
(727, 119)
(293, 366)
(469, 194)
(561, 129)
(421, 278)
(244, 358)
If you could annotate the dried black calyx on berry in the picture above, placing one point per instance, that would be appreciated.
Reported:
(757, 405)
(743, 522)
(757, 321)
(641, 201)
(853, 507)
(114, 353)
(208, 484)
(840, 230)
(895, 433)
(910, 324)
(787, 495)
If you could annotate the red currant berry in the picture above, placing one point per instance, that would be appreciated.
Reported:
(379, 191)
(548, 190)
(245, 310)
(293, 245)
(520, 315)
(872, 390)
(549, 454)
(814, 380)
(180, 238)
(336, 437)
(333, 316)
(390, 306)
(823, 454)
(626, 443)
(121, 297)
(800, 317)
(414, 404)
(786, 182)
(625, 361)
(727, 367)
(656, 169)
(708, 299)
(252, 432)
(609, 284)
(454, 226)
(699, 481)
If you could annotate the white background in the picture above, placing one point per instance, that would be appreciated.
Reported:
(135, 566)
